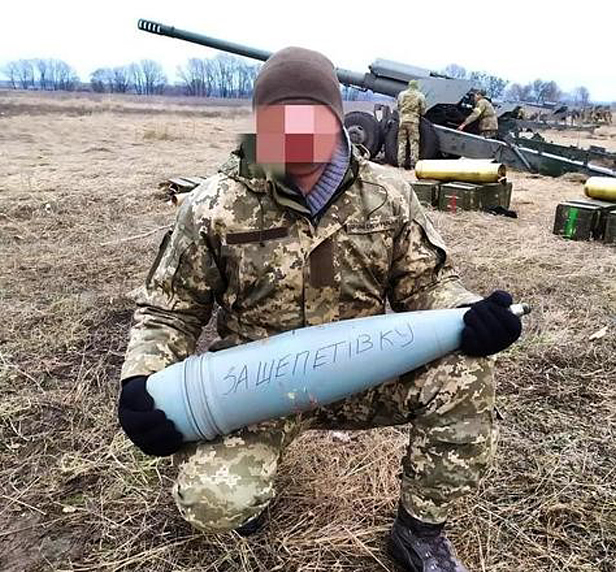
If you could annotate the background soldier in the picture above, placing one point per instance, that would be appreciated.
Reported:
(484, 112)
(411, 106)
(326, 235)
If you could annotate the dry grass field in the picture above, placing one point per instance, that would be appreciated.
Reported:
(80, 174)
(603, 136)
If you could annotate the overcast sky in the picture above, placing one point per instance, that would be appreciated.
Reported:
(520, 40)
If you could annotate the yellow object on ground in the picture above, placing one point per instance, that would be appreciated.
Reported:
(603, 188)
(466, 170)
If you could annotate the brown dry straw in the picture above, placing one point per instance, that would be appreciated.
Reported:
(77, 496)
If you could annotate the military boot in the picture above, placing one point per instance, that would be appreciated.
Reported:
(421, 547)
(253, 526)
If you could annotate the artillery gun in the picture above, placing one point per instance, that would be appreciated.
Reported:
(448, 104)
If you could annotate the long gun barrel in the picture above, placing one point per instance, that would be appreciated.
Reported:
(446, 100)
(223, 45)
(345, 77)
(216, 393)
(387, 78)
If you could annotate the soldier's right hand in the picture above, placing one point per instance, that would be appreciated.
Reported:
(146, 427)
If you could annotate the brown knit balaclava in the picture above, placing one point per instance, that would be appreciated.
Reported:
(298, 74)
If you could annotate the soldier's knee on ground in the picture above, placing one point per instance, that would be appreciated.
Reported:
(222, 486)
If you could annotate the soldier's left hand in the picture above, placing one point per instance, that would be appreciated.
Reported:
(490, 326)
(461, 127)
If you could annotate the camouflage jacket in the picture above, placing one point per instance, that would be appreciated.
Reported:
(248, 245)
(411, 105)
(484, 111)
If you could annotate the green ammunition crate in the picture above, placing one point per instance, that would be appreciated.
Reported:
(604, 208)
(582, 219)
(457, 196)
(610, 228)
(496, 195)
(427, 191)
(470, 197)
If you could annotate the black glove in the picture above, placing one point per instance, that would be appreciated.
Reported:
(490, 326)
(146, 427)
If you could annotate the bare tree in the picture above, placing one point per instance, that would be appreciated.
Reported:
(42, 66)
(514, 92)
(59, 76)
(136, 78)
(49, 73)
(120, 79)
(496, 85)
(543, 91)
(153, 76)
(196, 77)
(12, 72)
(146, 77)
(66, 78)
(518, 92)
(493, 85)
(552, 91)
(538, 90)
(246, 75)
(224, 72)
(112, 80)
(210, 77)
(456, 71)
(53, 81)
(224, 76)
(99, 80)
(242, 80)
(581, 96)
(25, 73)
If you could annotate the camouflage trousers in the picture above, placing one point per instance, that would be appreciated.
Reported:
(408, 132)
(449, 406)
(489, 134)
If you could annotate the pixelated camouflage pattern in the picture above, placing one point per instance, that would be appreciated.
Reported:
(453, 439)
(450, 403)
(408, 132)
(242, 243)
(411, 105)
(270, 268)
(484, 112)
(490, 134)
(223, 484)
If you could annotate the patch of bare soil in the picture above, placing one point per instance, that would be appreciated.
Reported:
(75, 495)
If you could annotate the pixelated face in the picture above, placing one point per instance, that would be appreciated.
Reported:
(296, 134)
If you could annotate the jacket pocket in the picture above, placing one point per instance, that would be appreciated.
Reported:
(261, 263)
(364, 255)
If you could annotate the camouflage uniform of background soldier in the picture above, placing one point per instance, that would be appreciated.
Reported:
(411, 106)
(251, 243)
(484, 112)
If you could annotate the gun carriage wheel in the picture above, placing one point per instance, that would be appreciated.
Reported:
(364, 129)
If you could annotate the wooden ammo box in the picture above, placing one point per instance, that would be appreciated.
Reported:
(470, 197)
(427, 191)
(582, 219)
(610, 227)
